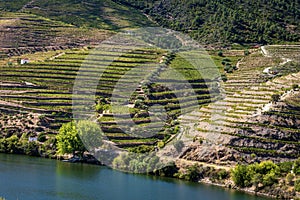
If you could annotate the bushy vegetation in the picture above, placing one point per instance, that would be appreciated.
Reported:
(266, 174)
(75, 137)
(197, 172)
(12, 5)
(297, 185)
(16, 145)
(68, 140)
(227, 21)
(137, 163)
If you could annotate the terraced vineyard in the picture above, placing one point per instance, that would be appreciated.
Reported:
(22, 33)
(45, 88)
(240, 122)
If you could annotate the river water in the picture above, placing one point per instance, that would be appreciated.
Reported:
(29, 178)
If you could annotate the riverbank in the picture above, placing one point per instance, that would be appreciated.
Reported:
(30, 178)
(189, 171)
(229, 186)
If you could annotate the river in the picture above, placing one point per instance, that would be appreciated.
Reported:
(30, 178)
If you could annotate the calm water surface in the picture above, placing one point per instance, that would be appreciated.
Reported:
(23, 177)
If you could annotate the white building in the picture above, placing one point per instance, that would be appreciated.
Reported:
(24, 61)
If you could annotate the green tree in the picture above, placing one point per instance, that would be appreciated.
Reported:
(13, 144)
(269, 179)
(275, 97)
(68, 140)
(220, 53)
(193, 173)
(240, 176)
(90, 134)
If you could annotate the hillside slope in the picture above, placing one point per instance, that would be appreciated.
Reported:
(32, 26)
(213, 21)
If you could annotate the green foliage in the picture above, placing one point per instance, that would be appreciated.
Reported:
(169, 171)
(240, 176)
(137, 163)
(297, 166)
(226, 21)
(223, 174)
(285, 167)
(141, 149)
(228, 68)
(246, 52)
(265, 172)
(42, 137)
(193, 173)
(32, 149)
(275, 97)
(297, 185)
(224, 77)
(17, 145)
(12, 5)
(90, 134)
(175, 130)
(9, 64)
(102, 107)
(68, 140)
(160, 144)
(104, 14)
(225, 60)
(12, 145)
(289, 178)
(287, 68)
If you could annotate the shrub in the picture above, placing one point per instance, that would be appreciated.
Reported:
(226, 60)
(13, 144)
(228, 69)
(275, 97)
(32, 149)
(141, 149)
(160, 144)
(246, 52)
(176, 129)
(102, 107)
(240, 176)
(285, 167)
(193, 173)
(269, 179)
(223, 174)
(297, 185)
(264, 172)
(224, 78)
(42, 137)
(220, 53)
(289, 178)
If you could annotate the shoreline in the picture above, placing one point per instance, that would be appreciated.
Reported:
(205, 180)
(245, 190)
